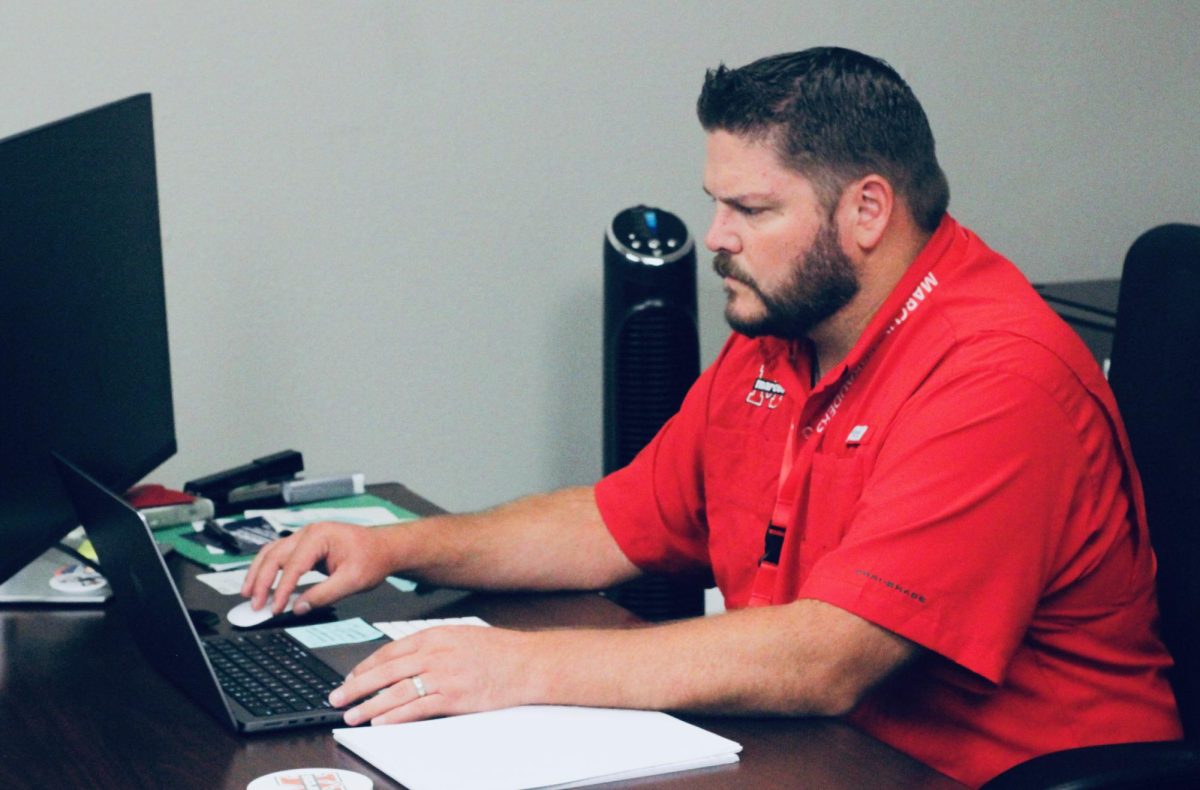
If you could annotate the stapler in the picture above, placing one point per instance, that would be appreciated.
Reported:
(227, 489)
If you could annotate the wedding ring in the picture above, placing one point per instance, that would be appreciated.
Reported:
(419, 685)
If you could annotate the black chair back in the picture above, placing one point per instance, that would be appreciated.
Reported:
(1155, 374)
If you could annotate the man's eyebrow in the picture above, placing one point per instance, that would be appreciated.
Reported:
(739, 199)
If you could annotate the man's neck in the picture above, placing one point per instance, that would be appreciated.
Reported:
(880, 271)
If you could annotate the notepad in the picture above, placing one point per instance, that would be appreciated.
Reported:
(536, 746)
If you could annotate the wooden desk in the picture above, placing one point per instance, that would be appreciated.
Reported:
(81, 708)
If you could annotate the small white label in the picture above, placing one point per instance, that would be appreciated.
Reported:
(856, 434)
(312, 779)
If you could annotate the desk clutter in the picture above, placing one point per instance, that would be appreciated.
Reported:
(821, 752)
(271, 481)
(223, 519)
(273, 674)
(232, 541)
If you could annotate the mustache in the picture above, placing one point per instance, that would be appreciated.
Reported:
(724, 266)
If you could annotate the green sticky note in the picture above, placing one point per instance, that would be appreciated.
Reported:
(342, 632)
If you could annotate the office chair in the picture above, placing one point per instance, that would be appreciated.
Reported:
(1155, 375)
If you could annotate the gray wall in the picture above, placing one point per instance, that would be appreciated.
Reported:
(382, 221)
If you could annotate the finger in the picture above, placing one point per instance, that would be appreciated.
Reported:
(303, 557)
(427, 707)
(334, 588)
(361, 683)
(263, 572)
(390, 652)
(390, 701)
(252, 572)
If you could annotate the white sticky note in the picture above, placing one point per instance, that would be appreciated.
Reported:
(230, 582)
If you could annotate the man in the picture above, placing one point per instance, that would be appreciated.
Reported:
(955, 554)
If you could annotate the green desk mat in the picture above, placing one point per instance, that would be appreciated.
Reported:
(175, 536)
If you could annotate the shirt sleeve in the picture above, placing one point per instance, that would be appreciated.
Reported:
(960, 519)
(655, 506)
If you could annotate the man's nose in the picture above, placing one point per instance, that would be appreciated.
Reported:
(720, 236)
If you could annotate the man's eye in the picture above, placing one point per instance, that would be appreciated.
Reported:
(748, 211)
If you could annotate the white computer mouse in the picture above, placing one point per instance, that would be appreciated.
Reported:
(243, 616)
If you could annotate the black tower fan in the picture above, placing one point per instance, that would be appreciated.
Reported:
(651, 358)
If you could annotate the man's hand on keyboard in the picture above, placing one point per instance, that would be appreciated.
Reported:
(461, 669)
(353, 556)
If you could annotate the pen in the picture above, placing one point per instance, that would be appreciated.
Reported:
(222, 536)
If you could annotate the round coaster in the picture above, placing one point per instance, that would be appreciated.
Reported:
(77, 578)
(312, 779)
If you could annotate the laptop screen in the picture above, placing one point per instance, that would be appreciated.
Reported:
(143, 589)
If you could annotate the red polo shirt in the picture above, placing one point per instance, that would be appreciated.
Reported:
(961, 479)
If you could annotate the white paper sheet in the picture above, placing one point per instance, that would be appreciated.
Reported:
(230, 582)
(536, 746)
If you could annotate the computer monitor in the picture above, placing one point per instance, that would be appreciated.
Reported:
(84, 365)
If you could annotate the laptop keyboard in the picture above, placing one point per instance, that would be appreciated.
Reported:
(269, 673)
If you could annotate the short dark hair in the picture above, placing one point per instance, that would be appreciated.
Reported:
(833, 115)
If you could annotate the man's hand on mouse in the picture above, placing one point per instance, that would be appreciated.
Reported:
(244, 615)
(353, 557)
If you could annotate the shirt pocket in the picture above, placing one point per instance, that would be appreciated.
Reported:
(741, 474)
(835, 486)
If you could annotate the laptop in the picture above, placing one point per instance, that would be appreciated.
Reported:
(229, 676)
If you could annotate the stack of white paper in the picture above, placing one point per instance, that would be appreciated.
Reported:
(536, 746)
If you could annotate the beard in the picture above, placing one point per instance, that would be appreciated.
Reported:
(821, 282)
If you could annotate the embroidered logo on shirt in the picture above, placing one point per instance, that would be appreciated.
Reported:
(857, 434)
(765, 392)
(891, 585)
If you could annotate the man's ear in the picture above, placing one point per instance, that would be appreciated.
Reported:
(867, 206)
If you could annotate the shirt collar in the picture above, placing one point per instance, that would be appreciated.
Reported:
(930, 260)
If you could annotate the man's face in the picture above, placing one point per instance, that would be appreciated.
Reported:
(783, 267)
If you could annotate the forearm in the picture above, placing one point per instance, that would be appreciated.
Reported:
(544, 542)
(806, 658)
